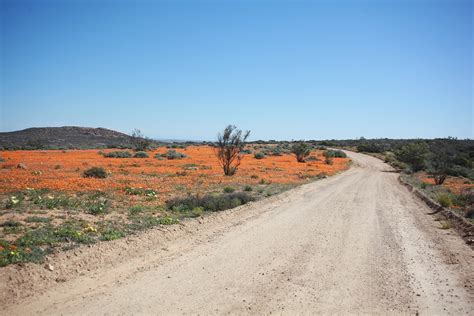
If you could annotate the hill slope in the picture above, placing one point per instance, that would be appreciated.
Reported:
(63, 137)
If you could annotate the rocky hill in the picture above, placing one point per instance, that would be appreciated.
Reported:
(65, 137)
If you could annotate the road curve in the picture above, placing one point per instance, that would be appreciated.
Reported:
(358, 242)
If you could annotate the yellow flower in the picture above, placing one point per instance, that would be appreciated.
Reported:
(90, 228)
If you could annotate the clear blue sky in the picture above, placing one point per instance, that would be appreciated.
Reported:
(283, 69)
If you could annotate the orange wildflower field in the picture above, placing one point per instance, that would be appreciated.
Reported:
(199, 172)
(48, 204)
(454, 184)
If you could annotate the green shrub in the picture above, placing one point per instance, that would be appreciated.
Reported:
(464, 199)
(97, 207)
(72, 232)
(10, 253)
(140, 191)
(185, 211)
(41, 241)
(399, 165)
(259, 155)
(301, 151)
(210, 202)
(248, 188)
(182, 146)
(335, 154)
(140, 154)
(144, 222)
(141, 142)
(446, 224)
(111, 234)
(445, 200)
(37, 219)
(11, 223)
(197, 212)
(136, 209)
(13, 230)
(277, 151)
(229, 189)
(414, 154)
(118, 154)
(96, 172)
(370, 148)
(391, 159)
(228, 148)
(55, 202)
(171, 155)
(167, 221)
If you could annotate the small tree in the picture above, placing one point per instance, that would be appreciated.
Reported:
(140, 142)
(414, 154)
(301, 151)
(440, 165)
(229, 145)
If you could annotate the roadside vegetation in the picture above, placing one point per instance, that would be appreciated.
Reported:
(57, 200)
(442, 168)
(228, 148)
(54, 200)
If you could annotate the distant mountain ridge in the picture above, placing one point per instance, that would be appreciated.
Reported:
(63, 138)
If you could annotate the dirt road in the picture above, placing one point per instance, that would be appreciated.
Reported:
(356, 242)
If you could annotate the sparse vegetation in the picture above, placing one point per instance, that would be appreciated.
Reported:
(37, 219)
(301, 150)
(171, 155)
(440, 165)
(211, 202)
(128, 201)
(140, 191)
(118, 154)
(112, 234)
(229, 146)
(140, 142)
(446, 224)
(444, 200)
(96, 172)
(414, 154)
(229, 189)
(248, 188)
(140, 154)
(334, 154)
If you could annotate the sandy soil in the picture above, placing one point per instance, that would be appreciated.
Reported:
(358, 242)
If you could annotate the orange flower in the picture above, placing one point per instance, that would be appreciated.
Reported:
(200, 171)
